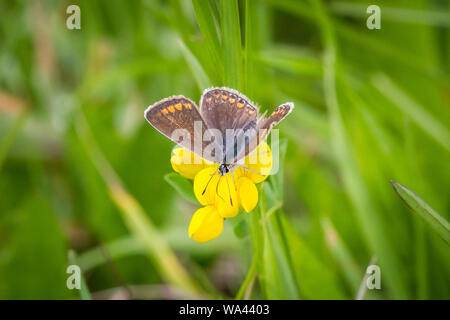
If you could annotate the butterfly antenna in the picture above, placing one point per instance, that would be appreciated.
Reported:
(204, 190)
(252, 170)
(229, 191)
(217, 189)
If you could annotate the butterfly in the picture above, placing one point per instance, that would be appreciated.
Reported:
(224, 130)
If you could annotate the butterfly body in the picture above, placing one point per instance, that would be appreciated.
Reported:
(224, 169)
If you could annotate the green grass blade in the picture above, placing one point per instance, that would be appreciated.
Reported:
(179, 19)
(276, 180)
(134, 216)
(367, 42)
(314, 279)
(294, 62)
(363, 286)
(175, 236)
(248, 281)
(342, 255)
(200, 76)
(231, 43)
(205, 19)
(250, 39)
(353, 182)
(255, 227)
(278, 273)
(275, 269)
(417, 112)
(11, 135)
(438, 223)
(117, 249)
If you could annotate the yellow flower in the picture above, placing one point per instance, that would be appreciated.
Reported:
(212, 189)
(221, 196)
(206, 224)
(260, 161)
(248, 194)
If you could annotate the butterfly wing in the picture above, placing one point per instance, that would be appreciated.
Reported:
(224, 108)
(263, 127)
(179, 119)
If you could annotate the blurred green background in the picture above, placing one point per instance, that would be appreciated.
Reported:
(81, 170)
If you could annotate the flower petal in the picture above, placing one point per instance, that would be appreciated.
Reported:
(208, 224)
(187, 163)
(248, 194)
(259, 162)
(198, 218)
(205, 186)
(226, 197)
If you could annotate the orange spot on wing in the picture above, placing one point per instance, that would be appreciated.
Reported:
(250, 111)
(217, 96)
(232, 100)
(224, 97)
(240, 105)
(188, 106)
(263, 133)
(179, 106)
(171, 109)
(164, 111)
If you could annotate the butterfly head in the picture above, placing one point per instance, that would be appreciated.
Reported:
(224, 169)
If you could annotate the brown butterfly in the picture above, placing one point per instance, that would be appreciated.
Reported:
(224, 130)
